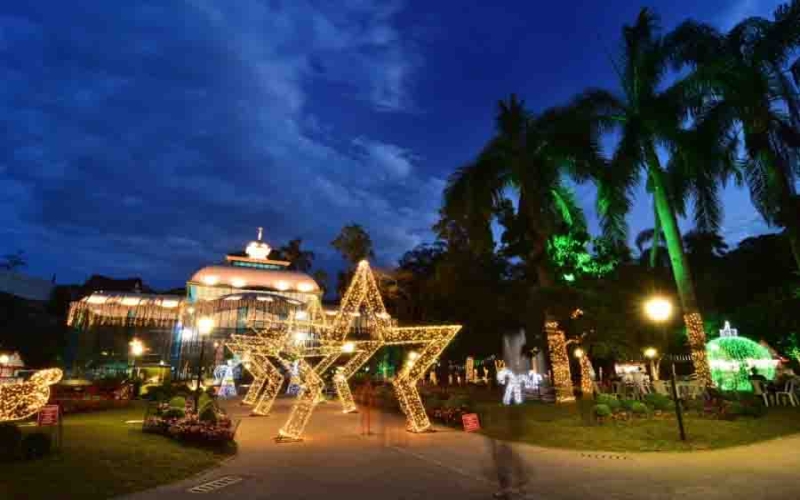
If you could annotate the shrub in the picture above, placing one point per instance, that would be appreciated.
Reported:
(658, 402)
(178, 402)
(610, 401)
(204, 402)
(10, 439)
(601, 410)
(458, 401)
(639, 408)
(208, 414)
(173, 413)
(627, 404)
(36, 445)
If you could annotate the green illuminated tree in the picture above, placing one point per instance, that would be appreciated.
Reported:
(745, 75)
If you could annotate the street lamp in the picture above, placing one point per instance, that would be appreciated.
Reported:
(659, 309)
(651, 353)
(204, 327)
(578, 353)
(137, 349)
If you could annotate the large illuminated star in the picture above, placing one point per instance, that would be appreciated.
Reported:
(307, 334)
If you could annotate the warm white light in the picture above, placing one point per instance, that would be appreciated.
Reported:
(578, 353)
(658, 309)
(170, 303)
(97, 299)
(301, 315)
(258, 250)
(282, 285)
(4, 359)
(234, 297)
(137, 348)
(130, 301)
(187, 334)
(205, 325)
(300, 337)
(650, 352)
(413, 355)
(210, 280)
(348, 347)
(305, 287)
(238, 282)
(190, 310)
(264, 299)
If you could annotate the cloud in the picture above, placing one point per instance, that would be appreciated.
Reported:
(150, 138)
(742, 9)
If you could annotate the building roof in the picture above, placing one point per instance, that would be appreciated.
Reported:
(249, 278)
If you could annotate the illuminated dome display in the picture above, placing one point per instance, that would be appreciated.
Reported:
(731, 359)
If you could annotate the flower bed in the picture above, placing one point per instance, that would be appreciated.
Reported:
(211, 426)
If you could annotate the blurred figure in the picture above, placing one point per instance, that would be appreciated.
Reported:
(509, 468)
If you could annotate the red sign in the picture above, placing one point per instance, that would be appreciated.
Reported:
(49, 415)
(471, 422)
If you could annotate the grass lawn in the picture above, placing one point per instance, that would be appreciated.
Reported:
(568, 426)
(102, 457)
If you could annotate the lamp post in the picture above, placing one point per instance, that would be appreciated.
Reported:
(651, 353)
(137, 349)
(5, 359)
(204, 327)
(659, 310)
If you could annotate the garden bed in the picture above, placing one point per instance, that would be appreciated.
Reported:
(102, 457)
(573, 426)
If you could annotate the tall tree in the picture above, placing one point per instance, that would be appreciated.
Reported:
(745, 76)
(300, 260)
(354, 243)
(651, 117)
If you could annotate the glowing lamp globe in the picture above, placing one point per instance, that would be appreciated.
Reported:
(4, 359)
(732, 358)
(658, 309)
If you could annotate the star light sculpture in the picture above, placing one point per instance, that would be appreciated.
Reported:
(306, 335)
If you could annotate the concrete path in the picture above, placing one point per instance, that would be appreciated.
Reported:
(336, 461)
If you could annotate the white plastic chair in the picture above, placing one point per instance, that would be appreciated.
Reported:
(787, 393)
(758, 391)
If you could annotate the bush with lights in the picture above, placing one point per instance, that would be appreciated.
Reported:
(208, 425)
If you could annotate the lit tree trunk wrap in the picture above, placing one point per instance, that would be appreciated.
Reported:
(680, 270)
(586, 376)
(559, 361)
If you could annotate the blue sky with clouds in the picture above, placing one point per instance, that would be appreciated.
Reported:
(148, 138)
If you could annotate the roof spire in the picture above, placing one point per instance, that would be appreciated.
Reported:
(260, 233)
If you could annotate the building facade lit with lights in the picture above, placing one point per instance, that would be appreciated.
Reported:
(236, 294)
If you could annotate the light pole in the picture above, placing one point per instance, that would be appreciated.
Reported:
(204, 327)
(137, 349)
(651, 353)
(659, 310)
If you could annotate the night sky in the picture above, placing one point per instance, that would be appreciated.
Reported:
(148, 138)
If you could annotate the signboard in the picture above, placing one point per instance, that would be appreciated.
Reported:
(49, 415)
(471, 422)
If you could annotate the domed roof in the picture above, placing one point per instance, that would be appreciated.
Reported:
(243, 277)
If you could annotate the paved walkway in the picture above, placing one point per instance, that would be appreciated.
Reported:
(335, 461)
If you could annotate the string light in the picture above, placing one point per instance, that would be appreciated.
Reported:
(587, 387)
(362, 300)
(697, 344)
(559, 361)
(21, 400)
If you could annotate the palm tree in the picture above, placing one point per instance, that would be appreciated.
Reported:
(654, 253)
(530, 156)
(300, 260)
(651, 118)
(745, 76)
